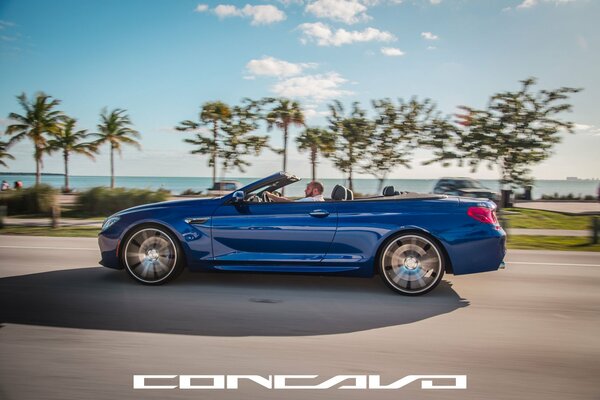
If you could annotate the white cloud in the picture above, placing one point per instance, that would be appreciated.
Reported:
(201, 8)
(435, 2)
(260, 15)
(429, 36)
(226, 10)
(311, 111)
(270, 66)
(431, 48)
(532, 3)
(589, 129)
(324, 36)
(527, 4)
(290, 80)
(319, 87)
(347, 11)
(392, 52)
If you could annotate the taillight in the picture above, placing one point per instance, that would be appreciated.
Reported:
(483, 214)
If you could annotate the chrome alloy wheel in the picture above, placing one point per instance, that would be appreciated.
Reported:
(150, 255)
(411, 264)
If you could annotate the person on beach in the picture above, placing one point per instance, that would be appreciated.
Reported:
(313, 192)
(5, 186)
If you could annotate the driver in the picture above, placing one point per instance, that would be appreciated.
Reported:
(313, 192)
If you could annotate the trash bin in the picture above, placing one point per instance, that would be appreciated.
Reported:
(507, 198)
(527, 193)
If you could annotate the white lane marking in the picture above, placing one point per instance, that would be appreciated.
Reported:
(553, 263)
(48, 248)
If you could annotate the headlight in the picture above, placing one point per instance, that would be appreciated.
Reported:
(108, 223)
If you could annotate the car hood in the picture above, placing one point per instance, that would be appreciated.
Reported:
(170, 204)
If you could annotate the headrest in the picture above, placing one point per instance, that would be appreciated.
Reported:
(338, 193)
(388, 191)
(349, 194)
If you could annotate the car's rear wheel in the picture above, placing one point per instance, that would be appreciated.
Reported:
(151, 255)
(411, 264)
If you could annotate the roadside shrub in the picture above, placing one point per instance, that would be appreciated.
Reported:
(105, 201)
(37, 200)
(191, 192)
(569, 196)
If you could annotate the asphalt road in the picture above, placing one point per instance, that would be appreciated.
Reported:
(73, 330)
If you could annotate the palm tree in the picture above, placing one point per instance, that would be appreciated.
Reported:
(316, 140)
(115, 128)
(284, 114)
(237, 141)
(213, 114)
(38, 120)
(71, 142)
(4, 154)
(353, 134)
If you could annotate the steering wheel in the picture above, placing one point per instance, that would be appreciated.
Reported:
(254, 199)
(265, 198)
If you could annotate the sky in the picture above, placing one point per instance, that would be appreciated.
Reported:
(162, 59)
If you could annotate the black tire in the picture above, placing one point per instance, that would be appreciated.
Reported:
(152, 255)
(411, 264)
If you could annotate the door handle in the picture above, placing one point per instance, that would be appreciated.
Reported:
(319, 213)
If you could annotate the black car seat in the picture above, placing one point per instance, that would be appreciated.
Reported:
(389, 191)
(349, 194)
(338, 193)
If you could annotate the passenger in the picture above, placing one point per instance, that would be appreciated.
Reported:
(313, 192)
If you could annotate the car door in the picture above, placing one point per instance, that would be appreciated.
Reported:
(273, 232)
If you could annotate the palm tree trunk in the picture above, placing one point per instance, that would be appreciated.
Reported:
(66, 157)
(313, 161)
(350, 184)
(285, 142)
(112, 167)
(504, 184)
(38, 166)
(381, 180)
(351, 158)
(380, 185)
(214, 154)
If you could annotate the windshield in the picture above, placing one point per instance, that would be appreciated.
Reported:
(275, 186)
(470, 184)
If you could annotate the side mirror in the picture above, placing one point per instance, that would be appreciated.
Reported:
(238, 197)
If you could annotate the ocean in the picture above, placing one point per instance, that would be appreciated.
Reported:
(364, 186)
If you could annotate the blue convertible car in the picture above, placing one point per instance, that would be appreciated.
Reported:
(409, 239)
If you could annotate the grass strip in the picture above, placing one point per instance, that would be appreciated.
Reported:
(540, 219)
(562, 243)
(63, 231)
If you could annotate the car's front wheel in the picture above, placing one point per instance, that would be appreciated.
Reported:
(411, 264)
(151, 255)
